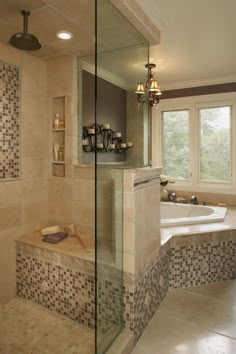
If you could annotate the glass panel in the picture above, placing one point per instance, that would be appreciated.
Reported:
(120, 64)
(215, 151)
(175, 128)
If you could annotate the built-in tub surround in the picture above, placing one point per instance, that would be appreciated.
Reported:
(173, 214)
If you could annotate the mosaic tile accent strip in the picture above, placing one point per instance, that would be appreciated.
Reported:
(9, 121)
(204, 263)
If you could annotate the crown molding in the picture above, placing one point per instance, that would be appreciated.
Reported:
(197, 83)
(153, 12)
(106, 75)
(136, 15)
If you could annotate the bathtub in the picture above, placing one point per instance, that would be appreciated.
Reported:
(173, 214)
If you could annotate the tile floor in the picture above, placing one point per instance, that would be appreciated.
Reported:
(26, 328)
(200, 320)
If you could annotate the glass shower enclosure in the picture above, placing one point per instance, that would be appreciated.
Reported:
(115, 135)
(122, 128)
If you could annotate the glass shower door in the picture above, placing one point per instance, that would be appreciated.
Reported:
(119, 47)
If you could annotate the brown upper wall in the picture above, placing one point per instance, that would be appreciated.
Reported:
(200, 90)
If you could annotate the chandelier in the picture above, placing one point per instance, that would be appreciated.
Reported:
(149, 92)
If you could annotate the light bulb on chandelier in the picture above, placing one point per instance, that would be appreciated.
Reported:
(150, 91)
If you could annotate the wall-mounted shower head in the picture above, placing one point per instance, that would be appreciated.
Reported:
(25, 40)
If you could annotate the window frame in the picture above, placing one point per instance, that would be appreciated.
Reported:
(193, 103)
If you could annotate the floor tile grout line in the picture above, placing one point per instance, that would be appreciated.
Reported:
(201, 295)
(194, 324)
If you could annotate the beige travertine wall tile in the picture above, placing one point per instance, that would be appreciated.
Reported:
(10, 55)
(84, 173)
(7, 263)
(83, 213)
(59, 211)
(34, 114)
(34, 212)
(10, 193)
(83, 191)
(129, 264)
(10, 216)
(34, 75)
(33, 167)
(35, 190)
(129, 237)
(34, 146)
(60, 188)
(60, 76)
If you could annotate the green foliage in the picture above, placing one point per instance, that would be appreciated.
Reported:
(176, 144)
(215, 154)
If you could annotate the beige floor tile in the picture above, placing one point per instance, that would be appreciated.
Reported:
(223, 291)
(204, 311)
(167, 335)
(26, 328)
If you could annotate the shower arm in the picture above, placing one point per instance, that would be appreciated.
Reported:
(25, 15)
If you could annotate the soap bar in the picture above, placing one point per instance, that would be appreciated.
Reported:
(50, 230)
(55, 238)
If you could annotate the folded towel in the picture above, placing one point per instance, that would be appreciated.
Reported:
(55, 238)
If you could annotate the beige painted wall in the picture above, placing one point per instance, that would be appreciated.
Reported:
(23, 203)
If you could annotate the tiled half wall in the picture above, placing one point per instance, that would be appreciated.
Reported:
(9, 121)
(66, 285)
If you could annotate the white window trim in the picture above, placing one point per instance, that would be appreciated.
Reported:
(193, 103)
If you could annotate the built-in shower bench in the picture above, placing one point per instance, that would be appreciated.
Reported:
(58, 276)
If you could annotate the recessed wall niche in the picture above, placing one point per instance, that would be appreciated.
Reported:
(9, 121)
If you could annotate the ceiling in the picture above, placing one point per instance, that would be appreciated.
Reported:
(197, 37)
(198, 42)
(76, 16)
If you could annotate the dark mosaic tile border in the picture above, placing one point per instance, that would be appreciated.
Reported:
(9, 121)
(200, 264)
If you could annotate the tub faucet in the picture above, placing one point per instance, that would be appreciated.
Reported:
(172, 197)
(194, 200)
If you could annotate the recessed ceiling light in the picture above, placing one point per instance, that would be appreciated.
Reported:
(64, 35)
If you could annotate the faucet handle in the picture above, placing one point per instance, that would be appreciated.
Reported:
(194, 200)
(172, 197)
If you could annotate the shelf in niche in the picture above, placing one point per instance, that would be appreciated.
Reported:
(58, 110)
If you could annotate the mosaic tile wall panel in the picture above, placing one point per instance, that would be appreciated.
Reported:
(142, 300)
(110, 290)
(204, 263)
(9, 121)
(67, 291)
(66, 285)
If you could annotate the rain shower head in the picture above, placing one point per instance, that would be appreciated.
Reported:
(25, 40)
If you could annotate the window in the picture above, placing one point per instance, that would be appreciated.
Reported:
(197, 144)
(175, 138)
(215, 149)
